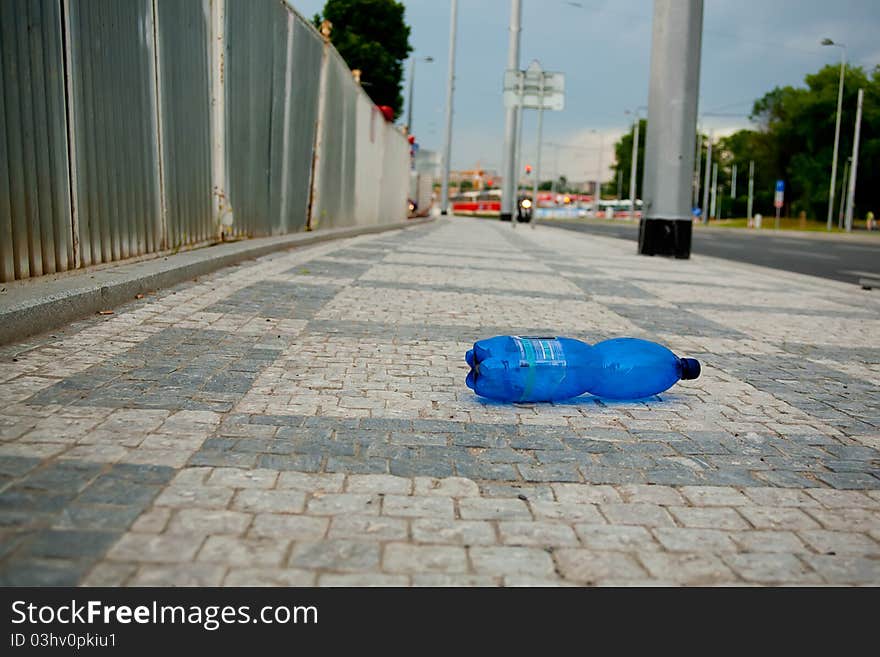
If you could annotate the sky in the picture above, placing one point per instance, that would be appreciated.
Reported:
(603, 48)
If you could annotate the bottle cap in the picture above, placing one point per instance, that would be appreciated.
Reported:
(690, 368)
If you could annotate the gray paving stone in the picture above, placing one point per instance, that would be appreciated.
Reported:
(534, 562)
(771, 568)
(337, 554)
(406, 558)
(590, 567)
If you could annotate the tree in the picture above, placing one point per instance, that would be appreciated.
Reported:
(623, 159)
(798, 125)
(371, 35)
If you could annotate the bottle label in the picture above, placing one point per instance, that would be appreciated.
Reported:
(540, 351)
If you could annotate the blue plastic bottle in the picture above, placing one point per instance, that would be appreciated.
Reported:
(539, 369)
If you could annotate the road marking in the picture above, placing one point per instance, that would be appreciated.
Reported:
(854, 272)
(808, 254)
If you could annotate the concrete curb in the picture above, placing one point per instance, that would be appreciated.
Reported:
(37, 305)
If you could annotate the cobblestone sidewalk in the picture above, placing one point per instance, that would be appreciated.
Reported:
(302, 419)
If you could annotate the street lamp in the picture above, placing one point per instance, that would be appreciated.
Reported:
(829, 42)
(598, 195)
(634, 165)
(412, 78)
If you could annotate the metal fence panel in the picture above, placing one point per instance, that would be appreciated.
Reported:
(35, 222)
(301, 112)
(115, 142)
(370, 149)
(256, 50)
(334, 200)
(185, 114)
(395, 176)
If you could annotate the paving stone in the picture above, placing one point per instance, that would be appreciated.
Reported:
(244, 552)
(567, 511)
(714, 496)
(456, 580)
(687, 568)
(362, 580)
(769, 541)
(589, 566)
(237, 478)
(267, 576)
(650, 494)
(335, 504)
(386, 484)
(109, 574)
(686, 539)
(406, 558)
(456, 532)
(209, 521)
(708, 517)
(368, 527)
(313, 483)
(845, 569)
(191, 574)
(472, 508)
(771, 568)
(418, 507)
(541, 533)
(269, 501)
(337, 554)
(586, 494)
(206, 497)
(164, 548)
(780, 497)
(778, 518)
(534, 562)
(445, 487)
(69, 544)
(836, 542)
(649, 515)
(836, 499)
(279, 525)
(623, 538)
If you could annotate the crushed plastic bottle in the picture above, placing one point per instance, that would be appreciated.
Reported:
(541, 369)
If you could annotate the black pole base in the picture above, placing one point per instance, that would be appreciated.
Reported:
(667, 237)
(506, 216)
(443, 212)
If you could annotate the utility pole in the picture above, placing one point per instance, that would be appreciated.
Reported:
(666, 225)
(714, 188)
(829, 42)
(705, 208)
(733, 183)
(854, 169)
(751, 189)
(538, 158)
(598, 194)
(699, 163)
(450, 88)
(633, 167)
(517, 153)
(843, 194)
(511, 117)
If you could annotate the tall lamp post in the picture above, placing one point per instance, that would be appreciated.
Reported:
(450, 88)
(412, 80)
(634, 165)
(829, 42)
(598, 195)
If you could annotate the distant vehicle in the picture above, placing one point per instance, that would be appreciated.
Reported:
(482, 203)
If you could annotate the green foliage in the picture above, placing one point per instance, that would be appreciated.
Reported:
(794, 141)
(371, 35)
(623, 160)
(466, 185)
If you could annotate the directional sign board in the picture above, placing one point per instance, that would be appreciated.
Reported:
(780, 193)
(534, 88)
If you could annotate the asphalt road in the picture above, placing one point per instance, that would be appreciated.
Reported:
(841, 260)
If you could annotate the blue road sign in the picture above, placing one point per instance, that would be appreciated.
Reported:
(780, 186)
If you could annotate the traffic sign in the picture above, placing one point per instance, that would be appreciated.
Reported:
(780, 193)
(534, 88)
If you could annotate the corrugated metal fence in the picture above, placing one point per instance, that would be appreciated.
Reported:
(115, 142)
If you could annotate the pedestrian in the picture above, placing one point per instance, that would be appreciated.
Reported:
(870, 221)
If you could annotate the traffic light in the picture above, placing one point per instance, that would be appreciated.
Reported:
(528, 168)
